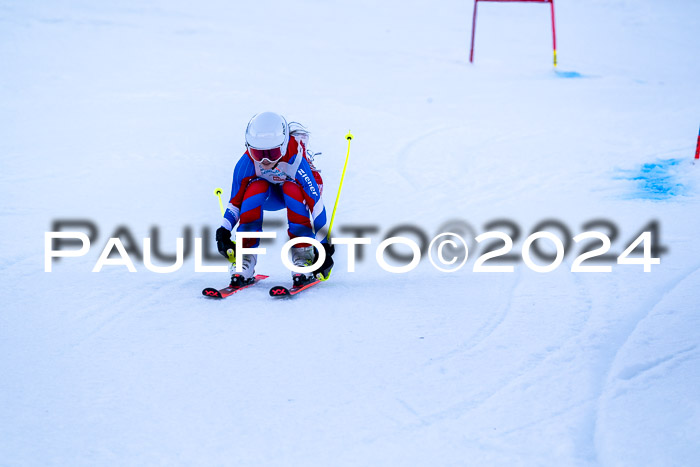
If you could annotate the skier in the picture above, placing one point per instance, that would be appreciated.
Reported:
(276, 172)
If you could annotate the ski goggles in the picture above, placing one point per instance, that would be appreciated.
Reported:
(262, 155)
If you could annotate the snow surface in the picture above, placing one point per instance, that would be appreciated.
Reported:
(131, 113)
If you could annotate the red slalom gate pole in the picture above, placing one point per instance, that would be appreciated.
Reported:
(471, 52)
(697, 148)
(554, 34)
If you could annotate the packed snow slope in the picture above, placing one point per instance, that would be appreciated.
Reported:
(129, 114)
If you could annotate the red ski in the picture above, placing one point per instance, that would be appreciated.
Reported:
(280, 291)
(231, 289)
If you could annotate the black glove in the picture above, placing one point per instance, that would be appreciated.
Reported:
(325, 269)
(223, 241)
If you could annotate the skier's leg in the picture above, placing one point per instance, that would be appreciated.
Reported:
(250, 220)
(299, 226)
(297, 212)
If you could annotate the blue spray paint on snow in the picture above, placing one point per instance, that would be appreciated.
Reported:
(654, 180)
(568, 74)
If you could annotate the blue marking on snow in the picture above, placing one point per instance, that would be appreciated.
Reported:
(568, 74)
(654, 180)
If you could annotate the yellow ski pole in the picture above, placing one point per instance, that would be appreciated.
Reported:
(340, 187)
(230, 252)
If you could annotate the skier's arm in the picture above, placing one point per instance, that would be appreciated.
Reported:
(314, 200)
(242, 174)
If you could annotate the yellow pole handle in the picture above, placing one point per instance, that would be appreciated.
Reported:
(218, 192)
(230, 253)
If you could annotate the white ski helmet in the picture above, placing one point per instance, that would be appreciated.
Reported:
(267, 137)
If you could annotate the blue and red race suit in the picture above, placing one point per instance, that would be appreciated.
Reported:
(293, 184)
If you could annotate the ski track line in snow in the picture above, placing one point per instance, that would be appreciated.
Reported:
(406, 172)
(634, 371)
(556, 414)
(608, 376)
(105, 318)
(16, 263)
(582, 448)
(126, 305)
(568, 345)
(460, 408)
(486, 329)
(587, 297)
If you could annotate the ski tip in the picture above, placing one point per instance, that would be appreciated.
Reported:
(212, 293)
(279, 291)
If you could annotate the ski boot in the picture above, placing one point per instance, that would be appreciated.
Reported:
(302, 256)
(247, 274)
